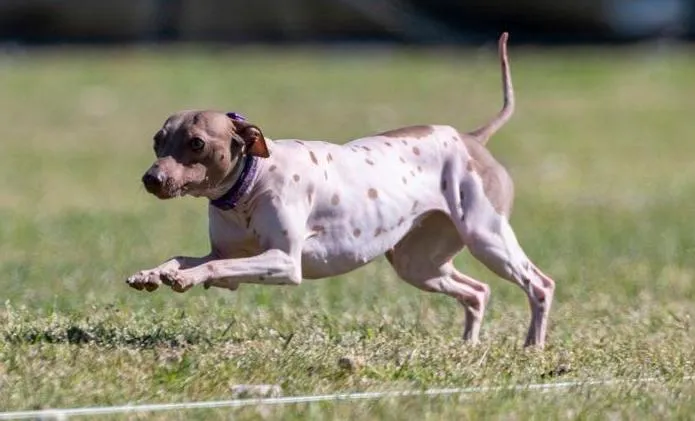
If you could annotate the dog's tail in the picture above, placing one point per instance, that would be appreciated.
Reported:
(484, 133)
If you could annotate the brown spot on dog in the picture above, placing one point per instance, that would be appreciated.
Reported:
(388, 144)
(378, 231)
(415, 203)
(402, 159)
(325, 174)
(310, 193)
(405, 142)
(443, 185)
(401, 221)
(497, 185)
(329, 158)
(369, 161)
(285, 233)
(272, 168)
(419, 168)
(296, 177)
(335, 200)
(313, 158)
(365, 148)
(372, 193)
(405, 180)
(411, 131)
(416, 150)
(356, 232)
(300, 142)
(412, 173)
(446, 144)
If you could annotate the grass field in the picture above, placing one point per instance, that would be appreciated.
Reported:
(601, 150)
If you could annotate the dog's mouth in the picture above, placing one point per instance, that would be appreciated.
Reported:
(187, 189)
(164, 195)
(169, 191)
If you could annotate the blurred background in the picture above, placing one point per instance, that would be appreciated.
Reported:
(600, 148)
(406, 21)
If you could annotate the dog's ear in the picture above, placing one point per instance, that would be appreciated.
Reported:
(254, 141)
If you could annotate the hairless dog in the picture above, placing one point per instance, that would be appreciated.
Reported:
(285, 210)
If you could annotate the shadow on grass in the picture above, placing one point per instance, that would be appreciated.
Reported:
(115, 336)
(103, 336)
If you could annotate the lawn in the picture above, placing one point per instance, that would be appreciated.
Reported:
(601, 151)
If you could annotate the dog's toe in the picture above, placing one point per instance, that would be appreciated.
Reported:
(180, 284)
(135, 281)
(152, 281)
(147, 280)
(151, 286)
(175, 280)
(180, 287)
(137, 286)
(167, 277)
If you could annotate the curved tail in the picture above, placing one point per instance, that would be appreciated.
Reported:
(482, 134)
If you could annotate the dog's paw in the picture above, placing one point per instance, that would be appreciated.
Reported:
(176, 280)
(145, 279)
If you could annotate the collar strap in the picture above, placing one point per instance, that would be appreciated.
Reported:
(230, 199)
(236, 116)
(241, 186)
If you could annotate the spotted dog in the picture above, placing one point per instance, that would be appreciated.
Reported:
(286, 210)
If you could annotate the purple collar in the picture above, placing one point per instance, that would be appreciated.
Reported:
(236, 116)
(241, 186)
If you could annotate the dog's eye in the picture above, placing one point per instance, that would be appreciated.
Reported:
(197, 144)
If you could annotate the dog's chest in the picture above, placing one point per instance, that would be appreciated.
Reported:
(230, 237)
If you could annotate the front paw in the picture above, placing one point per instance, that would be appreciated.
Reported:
(177, 280)
(145, 279)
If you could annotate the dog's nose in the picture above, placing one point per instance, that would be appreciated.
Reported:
(153, 180)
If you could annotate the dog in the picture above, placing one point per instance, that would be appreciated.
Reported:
(285, 210)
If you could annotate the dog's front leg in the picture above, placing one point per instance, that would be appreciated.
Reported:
(151, 279)
(273, 267)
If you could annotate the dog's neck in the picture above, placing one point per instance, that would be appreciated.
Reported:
(240, 181)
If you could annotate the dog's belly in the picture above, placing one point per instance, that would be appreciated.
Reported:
(334, 251)
(354, 235)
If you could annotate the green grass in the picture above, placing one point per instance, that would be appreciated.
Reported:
(600, 149)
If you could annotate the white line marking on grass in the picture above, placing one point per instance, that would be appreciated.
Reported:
(337, 397)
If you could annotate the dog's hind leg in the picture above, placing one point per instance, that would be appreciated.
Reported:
(423, 259)
(496, 246)
(490, 239)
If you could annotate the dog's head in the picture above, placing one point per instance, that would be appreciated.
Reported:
(198, 152)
